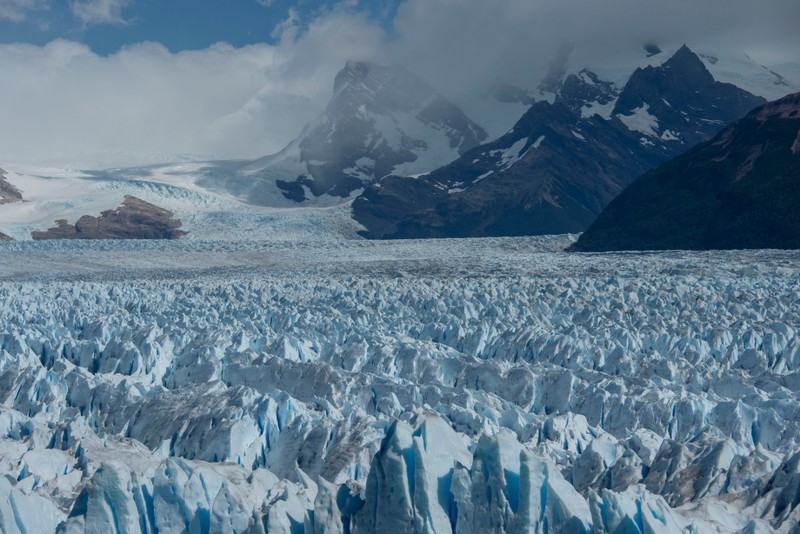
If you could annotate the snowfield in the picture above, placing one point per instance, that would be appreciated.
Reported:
(487, 385)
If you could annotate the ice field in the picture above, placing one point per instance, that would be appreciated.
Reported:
(487, 385)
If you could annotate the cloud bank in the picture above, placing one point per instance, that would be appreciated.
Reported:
(99, 11)
(17, 10)
(62, 99)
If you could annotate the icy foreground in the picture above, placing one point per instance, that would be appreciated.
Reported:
(490, 385)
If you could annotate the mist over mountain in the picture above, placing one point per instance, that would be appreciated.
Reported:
(381, 120)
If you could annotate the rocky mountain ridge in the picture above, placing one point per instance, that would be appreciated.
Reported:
(562, 162)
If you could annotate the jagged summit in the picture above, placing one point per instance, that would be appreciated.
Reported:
(380, 120)
(379, 88)
(586, 94)
(680, 102)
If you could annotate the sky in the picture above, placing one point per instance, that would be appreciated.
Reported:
(240, 78)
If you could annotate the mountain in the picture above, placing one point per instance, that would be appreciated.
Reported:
(562, 162)
(380, 120)
(552, 173)
(739, 190)
(680, 102)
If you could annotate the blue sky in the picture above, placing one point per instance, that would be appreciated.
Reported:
(107, 25)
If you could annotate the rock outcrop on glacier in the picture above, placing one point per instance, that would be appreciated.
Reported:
(133, 219)
(362, 386)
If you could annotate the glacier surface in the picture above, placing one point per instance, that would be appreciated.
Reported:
(488, 385)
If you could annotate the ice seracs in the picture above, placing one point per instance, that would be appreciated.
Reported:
(336, 386)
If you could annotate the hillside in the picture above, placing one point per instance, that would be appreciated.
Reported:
(739, 190)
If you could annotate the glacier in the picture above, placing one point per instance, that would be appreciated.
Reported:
(480, 385)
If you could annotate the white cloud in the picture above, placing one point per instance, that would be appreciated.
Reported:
(62, 99)
(17, 10)
(461, 45)
(99, 11)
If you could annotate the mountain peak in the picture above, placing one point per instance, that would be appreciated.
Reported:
(354, 71)
(379, 88)
(679, 104)
(689, 63)
(380, 120)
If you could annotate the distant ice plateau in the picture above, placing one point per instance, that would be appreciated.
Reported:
(483, 385)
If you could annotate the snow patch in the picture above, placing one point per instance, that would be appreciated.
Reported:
(509, 156)
(641, 121)
(596, 108)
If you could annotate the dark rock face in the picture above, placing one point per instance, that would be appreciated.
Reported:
(4, 237)
(379, 118)
(134, 219)
(8, 193)
(585, 87)
(531, 181)
(688, 104)
(556, 170)
(739, 190)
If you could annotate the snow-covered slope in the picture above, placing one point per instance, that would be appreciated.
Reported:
(492, 385)
(50, 194)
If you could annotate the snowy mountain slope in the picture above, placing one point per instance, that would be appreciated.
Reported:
(381, 120)
(771, 82)
(499, 107)
(306, 386)
(51, 194)
(563, 162)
